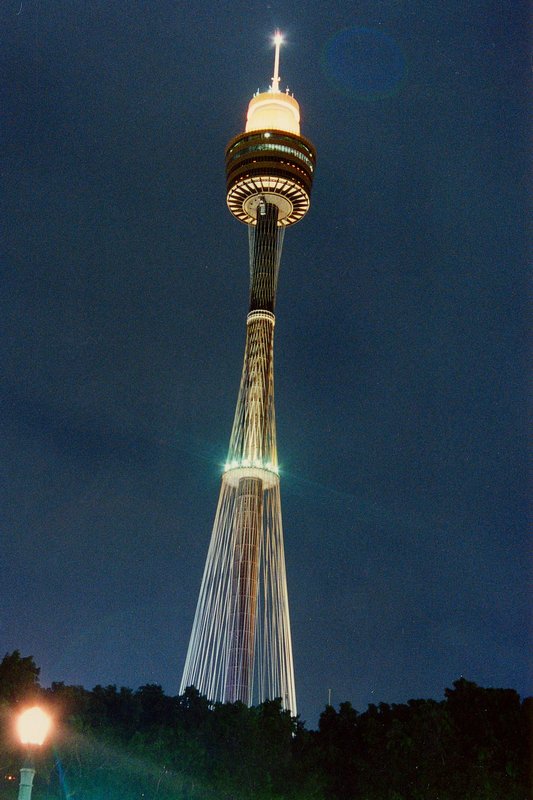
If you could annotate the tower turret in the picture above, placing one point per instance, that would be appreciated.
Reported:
(240, 647)
(271, 160)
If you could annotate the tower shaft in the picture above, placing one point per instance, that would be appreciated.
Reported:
(241, 632)
(248, 532)
(264, 262)
(252, 442)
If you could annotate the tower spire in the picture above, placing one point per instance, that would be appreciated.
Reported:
(278, 39)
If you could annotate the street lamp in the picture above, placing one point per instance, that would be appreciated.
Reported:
(33, 726)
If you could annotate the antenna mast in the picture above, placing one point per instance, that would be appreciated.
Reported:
(278, 39)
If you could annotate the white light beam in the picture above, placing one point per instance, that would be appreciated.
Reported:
(278, 39)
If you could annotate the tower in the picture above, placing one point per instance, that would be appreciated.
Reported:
(240, 646)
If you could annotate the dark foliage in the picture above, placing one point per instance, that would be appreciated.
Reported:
(19, 677)
(117, 743)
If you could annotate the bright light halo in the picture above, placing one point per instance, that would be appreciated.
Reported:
(33, 726)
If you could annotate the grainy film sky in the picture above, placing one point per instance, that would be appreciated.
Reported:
(400, 344)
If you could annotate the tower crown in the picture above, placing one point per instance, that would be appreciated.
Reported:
(273, 111)
(270, 160)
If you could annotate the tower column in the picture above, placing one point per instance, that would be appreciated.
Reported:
(264, 259)
(247, 538)
(251, 447)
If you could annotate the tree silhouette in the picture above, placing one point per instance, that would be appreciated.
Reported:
(19, 677)
(121, 744)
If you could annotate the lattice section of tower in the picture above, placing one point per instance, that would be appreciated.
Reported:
(211, 665)
(253, 436)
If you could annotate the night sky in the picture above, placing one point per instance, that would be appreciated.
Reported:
(400, 336)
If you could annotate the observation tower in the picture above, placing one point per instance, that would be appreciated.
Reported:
(240, 647)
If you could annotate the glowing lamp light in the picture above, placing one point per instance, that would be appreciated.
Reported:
(278, 37)
(33, 726)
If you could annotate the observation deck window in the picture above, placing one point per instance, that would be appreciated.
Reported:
(265, 147)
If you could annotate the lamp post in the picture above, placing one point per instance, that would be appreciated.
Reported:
(33, 726)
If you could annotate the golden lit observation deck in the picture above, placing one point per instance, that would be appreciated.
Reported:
(271, 162)
(276, 165)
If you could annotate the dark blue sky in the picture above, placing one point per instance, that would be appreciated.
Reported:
(400, 336)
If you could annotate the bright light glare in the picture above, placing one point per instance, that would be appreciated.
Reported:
(33, 726)
(278, 37)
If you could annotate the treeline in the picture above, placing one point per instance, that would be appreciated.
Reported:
(118, 744)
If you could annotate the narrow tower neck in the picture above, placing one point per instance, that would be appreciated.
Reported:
(265, 246)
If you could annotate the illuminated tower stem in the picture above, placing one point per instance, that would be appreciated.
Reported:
(255, 448)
